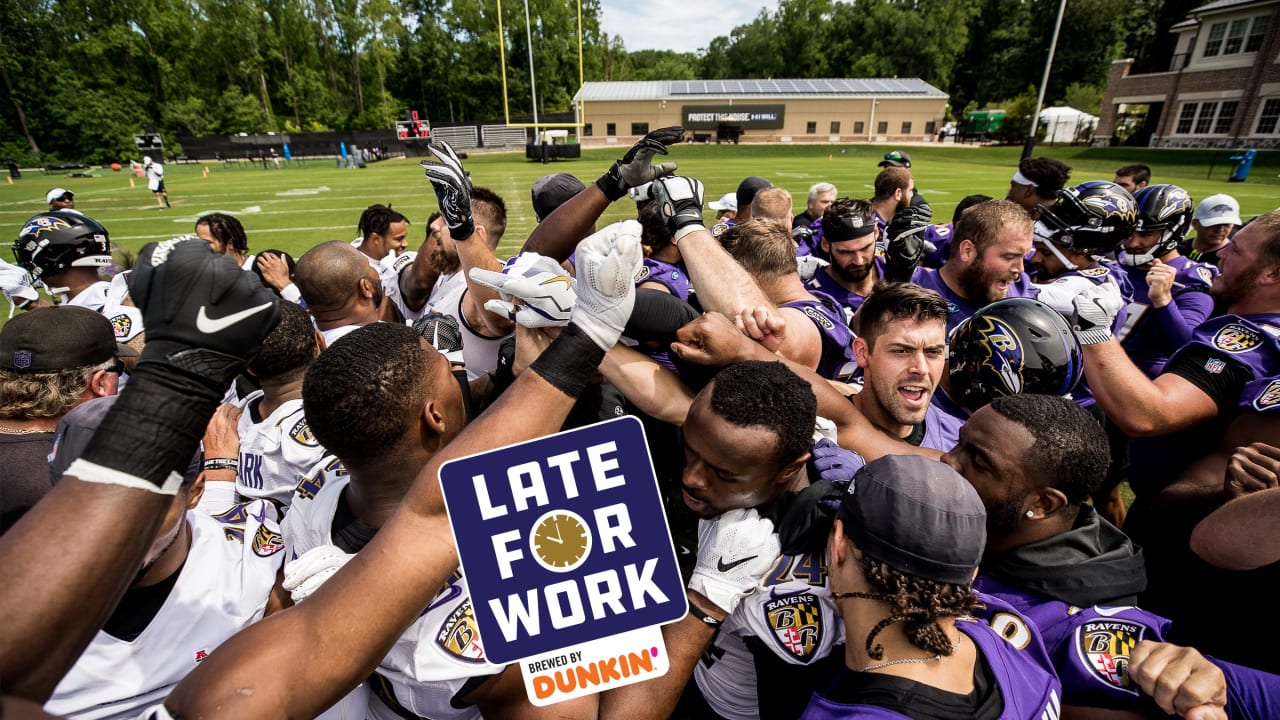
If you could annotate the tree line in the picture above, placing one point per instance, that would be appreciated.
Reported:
(81, 77)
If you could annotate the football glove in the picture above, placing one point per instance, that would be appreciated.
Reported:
(540, 282)
(735, 551)
(636, 168)
(679, 201)
(453, 190)
(607, 263)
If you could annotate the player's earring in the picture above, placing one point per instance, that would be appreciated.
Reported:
(1031, 514)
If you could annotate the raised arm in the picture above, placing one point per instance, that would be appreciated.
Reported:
(453, 189)
(66, 569)
(723, 285)
(341, 632)
(558, 234)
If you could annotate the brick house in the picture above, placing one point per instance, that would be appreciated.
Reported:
(1222, 88)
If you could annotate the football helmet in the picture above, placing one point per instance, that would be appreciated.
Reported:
(1167, 208)
(1093, 217)
(1012, 346)
(54, 241)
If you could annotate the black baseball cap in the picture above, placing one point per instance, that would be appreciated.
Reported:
(58, 338)
(551, 191)
(748, 188)
(896, 158)
(918, 516)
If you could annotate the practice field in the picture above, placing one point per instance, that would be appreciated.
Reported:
(297, 207)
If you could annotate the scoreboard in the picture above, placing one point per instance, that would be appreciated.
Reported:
(413, 129)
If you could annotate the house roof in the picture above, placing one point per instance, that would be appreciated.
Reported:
(1217, 5)
(694, 89)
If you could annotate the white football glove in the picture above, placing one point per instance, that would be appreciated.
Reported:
(735, 551)
(607, 264)
(16, 285)
(807, 265)
(1094, 310)
(545, 288)
(305, 575)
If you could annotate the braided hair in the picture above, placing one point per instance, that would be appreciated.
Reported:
(917, 603)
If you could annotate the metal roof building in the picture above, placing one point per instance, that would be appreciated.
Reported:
(787, 110)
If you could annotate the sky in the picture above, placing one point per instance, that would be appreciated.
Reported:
(679, 25)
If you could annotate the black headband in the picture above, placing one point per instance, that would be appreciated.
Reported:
(847, 228)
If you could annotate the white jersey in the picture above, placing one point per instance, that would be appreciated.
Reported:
(155, 176)
(389, 270)
(791, 613)
(439, 656)
(274, 452)
(333, 335)
(93, 297)
(222, 587)
(126, 320)
(480, 353)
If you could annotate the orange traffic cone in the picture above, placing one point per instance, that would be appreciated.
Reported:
(131, 182)
(205, 172)
(9, 178)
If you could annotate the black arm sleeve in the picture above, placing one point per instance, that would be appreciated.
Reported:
(657, 315)
(1223, 386)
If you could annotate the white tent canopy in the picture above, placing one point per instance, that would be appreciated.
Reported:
(1065, 124)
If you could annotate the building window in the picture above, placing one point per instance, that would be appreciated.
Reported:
(882, 127)
(1235, 37)
(906, 128)
(1213, 45)
(586, 130)
(639, 128)
(1238, 36)
(811, 128)
(1204, 120)
(1207, 118)
(1226, 114)
(931, 127)
(859, 127)
(611, 129)
(835, 127)
(1257, 34)
(1269, 120)
(1187, 117)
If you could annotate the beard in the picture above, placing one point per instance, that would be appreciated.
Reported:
(978, 285)
(1228, 291)
(445, 263)
(1003, 518)
(852, 273)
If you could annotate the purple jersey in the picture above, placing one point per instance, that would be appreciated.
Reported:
(1261, 395)
(959, 309)
(1090, 650)
(1252, 341)
(949, 407)
(937, 245)
(1151, 335)
(1012, 648)
(809, 243)
(848, 300)
(836, 362)
(672, 277)
(941, 429)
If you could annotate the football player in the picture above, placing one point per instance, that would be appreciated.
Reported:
(1170, 292)
(64, 251)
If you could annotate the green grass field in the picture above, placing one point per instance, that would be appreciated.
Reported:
(297, 207)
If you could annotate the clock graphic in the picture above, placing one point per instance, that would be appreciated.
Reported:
(560, 541)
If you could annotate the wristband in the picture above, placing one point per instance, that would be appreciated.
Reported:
(570, 361)
(680, 233)
(221, 464)
(698, 613)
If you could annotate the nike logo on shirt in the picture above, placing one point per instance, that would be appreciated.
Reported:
(722, 566)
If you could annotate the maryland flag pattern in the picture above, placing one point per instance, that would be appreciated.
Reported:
(1104, 647)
